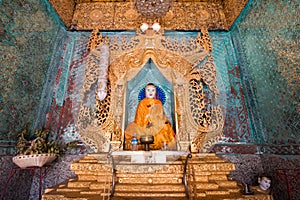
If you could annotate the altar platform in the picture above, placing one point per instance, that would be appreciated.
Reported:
(151, 175)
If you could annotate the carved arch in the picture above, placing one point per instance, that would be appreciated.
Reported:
(179, 70)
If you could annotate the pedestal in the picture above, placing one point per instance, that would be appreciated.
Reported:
(152, 159)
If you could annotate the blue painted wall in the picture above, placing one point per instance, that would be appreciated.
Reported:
(28, 32)
(266, 38)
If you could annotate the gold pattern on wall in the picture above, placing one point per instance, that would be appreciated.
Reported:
(179, 64)
(191, 16)
(65, 9)
(232, 9)
(124, 16)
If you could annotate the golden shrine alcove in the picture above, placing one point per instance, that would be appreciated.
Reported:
(187, 70)
(114, 78)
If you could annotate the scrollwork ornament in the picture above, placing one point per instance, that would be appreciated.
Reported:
(152, 9)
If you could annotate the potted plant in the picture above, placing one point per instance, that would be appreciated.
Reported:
(41, 150)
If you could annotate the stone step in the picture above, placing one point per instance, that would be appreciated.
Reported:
(211, 177)
(150, 188)
(234, 190)
(87, 159)
(206, 157)
(91, 177)
(227, 184)
(89, 168)
(214, 167)
(152, 198)
(151, 180)
(204, 161)
(154, 168)
(79, 184)
(75, 195)
(68, 189)
(217, 177)
(133, 195)
(98, 185)
(217, 192)
(201, 178)
(209, 173)
(207, 186)
(150, 175)
(171, 163)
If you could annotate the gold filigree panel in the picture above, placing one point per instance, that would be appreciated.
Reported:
(102, 121)
(65, 9)
(90, 16)
(183, 14)
(193, 16)
(232, 9)
(90, 1)
(124, 16)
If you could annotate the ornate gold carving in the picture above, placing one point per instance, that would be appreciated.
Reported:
(131, 15)
(232, 9)
(96, 39)
(178, 61)
(65, 9)
(95, 15)
(152, 8)
(206, 178)
(124, 16)
(103, 22)
(214, 14)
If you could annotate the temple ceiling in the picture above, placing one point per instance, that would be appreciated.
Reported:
(185, 15)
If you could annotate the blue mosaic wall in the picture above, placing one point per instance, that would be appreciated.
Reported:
(266, 37)
(27, 36)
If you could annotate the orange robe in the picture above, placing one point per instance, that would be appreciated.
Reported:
(150, 119)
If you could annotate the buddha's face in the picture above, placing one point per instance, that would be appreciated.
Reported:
(150, 91)
(264, 183)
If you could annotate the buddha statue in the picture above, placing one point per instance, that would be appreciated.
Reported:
(264, 185)
(150, 119)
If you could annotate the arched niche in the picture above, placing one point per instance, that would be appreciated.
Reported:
(103, 125)
(135, 87)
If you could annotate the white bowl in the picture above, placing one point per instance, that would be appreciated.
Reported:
(34, 160)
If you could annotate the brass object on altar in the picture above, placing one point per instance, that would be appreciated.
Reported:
(147, 140)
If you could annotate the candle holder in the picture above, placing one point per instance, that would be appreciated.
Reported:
(147, 140)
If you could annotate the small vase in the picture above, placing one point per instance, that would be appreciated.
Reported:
(34, 160)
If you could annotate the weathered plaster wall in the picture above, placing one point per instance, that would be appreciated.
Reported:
(27, 37)
(266, 38)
